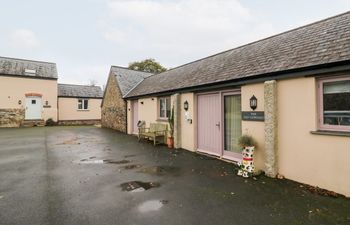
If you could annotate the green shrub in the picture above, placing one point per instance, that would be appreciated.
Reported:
(247, 140)
(50, 122)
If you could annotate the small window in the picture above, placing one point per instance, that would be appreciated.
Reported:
(334, 104)
(164, 108)
(83, 104)
(33, 102)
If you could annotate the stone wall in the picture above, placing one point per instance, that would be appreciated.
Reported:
(11, 117)
(78, 122)
(114, 107)
(271, 143)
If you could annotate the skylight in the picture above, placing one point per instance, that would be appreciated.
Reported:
(29, 72)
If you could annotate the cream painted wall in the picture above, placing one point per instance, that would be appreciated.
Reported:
(68, 109)
(148, 110)
(14, 89)
(318, 160)
(129, 117)
(255, 128)
(188, 130)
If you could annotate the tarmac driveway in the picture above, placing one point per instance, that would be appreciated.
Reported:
(89, 175)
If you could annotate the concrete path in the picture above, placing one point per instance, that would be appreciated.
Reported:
(89, 175)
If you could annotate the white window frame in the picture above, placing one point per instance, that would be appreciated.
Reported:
(84, 103)
(167, 99)
(321, 125)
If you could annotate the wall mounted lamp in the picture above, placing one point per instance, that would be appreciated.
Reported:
(186, 105)
(253, 102)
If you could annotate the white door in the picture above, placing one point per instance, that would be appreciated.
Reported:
(33, 108)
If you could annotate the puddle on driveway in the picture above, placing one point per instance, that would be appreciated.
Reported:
(152, 205)
(161, 170)
(72, 141)
(129, 156)
(133, 166)
(138, 186)
(101, 161)
(116, 162)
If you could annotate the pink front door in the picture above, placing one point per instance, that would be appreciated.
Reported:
(135, 117)
(209, 124)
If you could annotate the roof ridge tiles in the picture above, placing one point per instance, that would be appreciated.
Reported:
(28, 60)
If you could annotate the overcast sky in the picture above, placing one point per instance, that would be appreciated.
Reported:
(86, 37)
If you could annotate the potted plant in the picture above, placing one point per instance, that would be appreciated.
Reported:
(246, 166)
(171, 129)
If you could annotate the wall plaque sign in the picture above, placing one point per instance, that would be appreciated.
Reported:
(253, 116)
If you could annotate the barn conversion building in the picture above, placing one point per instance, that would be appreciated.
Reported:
(30, 95)
(300, 80)
(120, 82)
(79, 104)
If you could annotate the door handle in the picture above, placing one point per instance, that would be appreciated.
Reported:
(218, 124)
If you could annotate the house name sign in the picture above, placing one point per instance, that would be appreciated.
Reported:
(253, 116)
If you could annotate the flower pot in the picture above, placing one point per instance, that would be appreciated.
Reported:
(170, 142)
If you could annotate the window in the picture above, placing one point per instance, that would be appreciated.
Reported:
(164, 108)
(33, 102)
(83, 104)
(334, 104)
(232, 122)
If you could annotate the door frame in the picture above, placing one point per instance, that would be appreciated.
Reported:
(40, 106)
(222, 93)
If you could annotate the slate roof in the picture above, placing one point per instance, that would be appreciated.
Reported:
(23, 67)
(79, 91)
(127, 78)
(323, 42)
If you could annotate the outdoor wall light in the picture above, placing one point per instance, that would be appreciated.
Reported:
(46, 102)
(186, 105)
(253, 102)
(19, 102)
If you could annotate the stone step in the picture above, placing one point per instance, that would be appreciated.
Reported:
(33, 123)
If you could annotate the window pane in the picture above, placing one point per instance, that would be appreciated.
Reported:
(168, 107)
(336, 103)
(162, 107)
(80, 104)
(232, 122)
(86, 104)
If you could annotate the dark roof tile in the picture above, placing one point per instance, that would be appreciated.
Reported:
(323, 42)
(29, 68)
(127, 78)
(82, 91)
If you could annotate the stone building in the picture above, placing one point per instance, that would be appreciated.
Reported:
(120, 82)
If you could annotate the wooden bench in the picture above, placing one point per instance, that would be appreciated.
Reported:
(156, 132)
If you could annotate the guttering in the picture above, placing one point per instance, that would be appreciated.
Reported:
(60, 96)
(279, 75)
